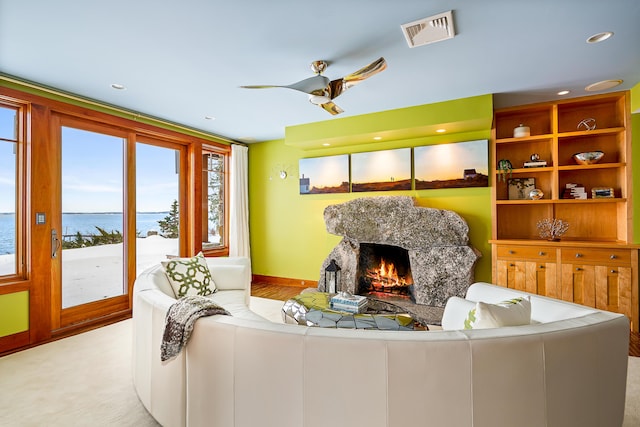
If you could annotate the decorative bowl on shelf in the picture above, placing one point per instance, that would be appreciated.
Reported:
(588, 157)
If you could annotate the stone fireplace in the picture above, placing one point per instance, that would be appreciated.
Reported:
(429, 249)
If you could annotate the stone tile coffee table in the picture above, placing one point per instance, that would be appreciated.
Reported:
(312, 308)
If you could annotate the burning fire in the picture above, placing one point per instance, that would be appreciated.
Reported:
(387, 272)
(385, 278)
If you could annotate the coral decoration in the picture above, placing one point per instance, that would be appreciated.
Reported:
(552, 228)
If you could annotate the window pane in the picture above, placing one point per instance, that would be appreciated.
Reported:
(8, 126)
(213, 175)
(157, 210)
(8, 168)
(92, 216)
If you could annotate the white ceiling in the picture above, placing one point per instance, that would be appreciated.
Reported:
(184, 60)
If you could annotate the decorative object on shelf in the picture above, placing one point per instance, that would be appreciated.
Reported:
(535, 162)
(602, 192)
(552, 228)
(504, 167)
(587, 124)
(574, 191)
(521, 188)
(536, 194)
(588, 157)
(332, 277)
(521, 131)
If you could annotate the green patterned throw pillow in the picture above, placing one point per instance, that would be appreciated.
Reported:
(513, 312)
(189, 276)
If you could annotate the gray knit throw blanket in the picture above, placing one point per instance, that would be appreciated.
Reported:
(181, 318)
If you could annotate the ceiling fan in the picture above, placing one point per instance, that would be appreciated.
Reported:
(323, 91)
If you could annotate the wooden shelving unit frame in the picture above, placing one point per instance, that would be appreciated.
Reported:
(555, 138)
(595, 263)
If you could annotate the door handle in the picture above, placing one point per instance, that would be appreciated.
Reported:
(55, 243)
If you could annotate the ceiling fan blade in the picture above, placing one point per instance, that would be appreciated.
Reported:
(315, 85)
(332, 108)
(338, 86)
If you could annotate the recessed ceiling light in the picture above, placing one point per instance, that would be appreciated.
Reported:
(600, 37)
(563, 92)
(441, 130)
(377, 138)
(326, 144)
(603, 85)
(209, 118)
(118, 86)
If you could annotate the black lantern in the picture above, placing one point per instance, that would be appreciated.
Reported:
(332, 277)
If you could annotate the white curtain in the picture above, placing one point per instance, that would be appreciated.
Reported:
(239, 202)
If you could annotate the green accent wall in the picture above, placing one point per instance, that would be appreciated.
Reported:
(288, 235)
(635, 99)
(14, 313)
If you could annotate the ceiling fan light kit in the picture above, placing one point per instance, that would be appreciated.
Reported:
(323, 91)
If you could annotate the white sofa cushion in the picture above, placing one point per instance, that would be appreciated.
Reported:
(512, 312)
(189, 276)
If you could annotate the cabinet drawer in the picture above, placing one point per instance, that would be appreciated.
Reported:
(526, 252)
(606, 256)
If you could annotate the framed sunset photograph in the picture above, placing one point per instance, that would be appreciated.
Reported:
(454, 165)
(385, 170)
(321, 175)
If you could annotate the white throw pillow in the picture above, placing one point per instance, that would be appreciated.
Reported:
(513, 312)
(189, 276)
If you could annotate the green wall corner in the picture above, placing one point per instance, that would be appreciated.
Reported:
(288, 235)
(14, 313)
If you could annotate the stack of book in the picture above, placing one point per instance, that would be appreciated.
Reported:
(535, 164)
(574, 191)
(349, 303)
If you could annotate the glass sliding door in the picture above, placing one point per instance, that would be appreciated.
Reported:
(157, 204)
(90, 241)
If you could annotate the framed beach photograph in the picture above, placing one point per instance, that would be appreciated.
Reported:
(321, 175)
(454, 165)
(519, 188)
(385, 170)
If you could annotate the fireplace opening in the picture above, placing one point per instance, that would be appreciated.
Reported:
(384, 271)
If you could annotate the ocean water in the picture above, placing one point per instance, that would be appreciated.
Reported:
(85, 223)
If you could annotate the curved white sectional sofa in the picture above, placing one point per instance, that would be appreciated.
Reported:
(568, 368)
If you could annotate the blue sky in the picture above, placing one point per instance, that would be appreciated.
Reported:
(93, 183)
(92, 172)
(7, 161)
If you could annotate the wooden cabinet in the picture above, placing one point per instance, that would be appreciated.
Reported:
(595, 263)
(600, 278)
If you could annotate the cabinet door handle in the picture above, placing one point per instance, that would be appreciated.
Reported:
(578, 269)
(578, 255)
(512, 265)
(511, 252)
(613, 271)
(613, 256)
(541, 253)
(542, 266)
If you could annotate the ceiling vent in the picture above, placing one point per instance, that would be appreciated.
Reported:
(429, 30)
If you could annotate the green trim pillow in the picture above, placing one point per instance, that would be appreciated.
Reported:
(189, 276)
(513, 312)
